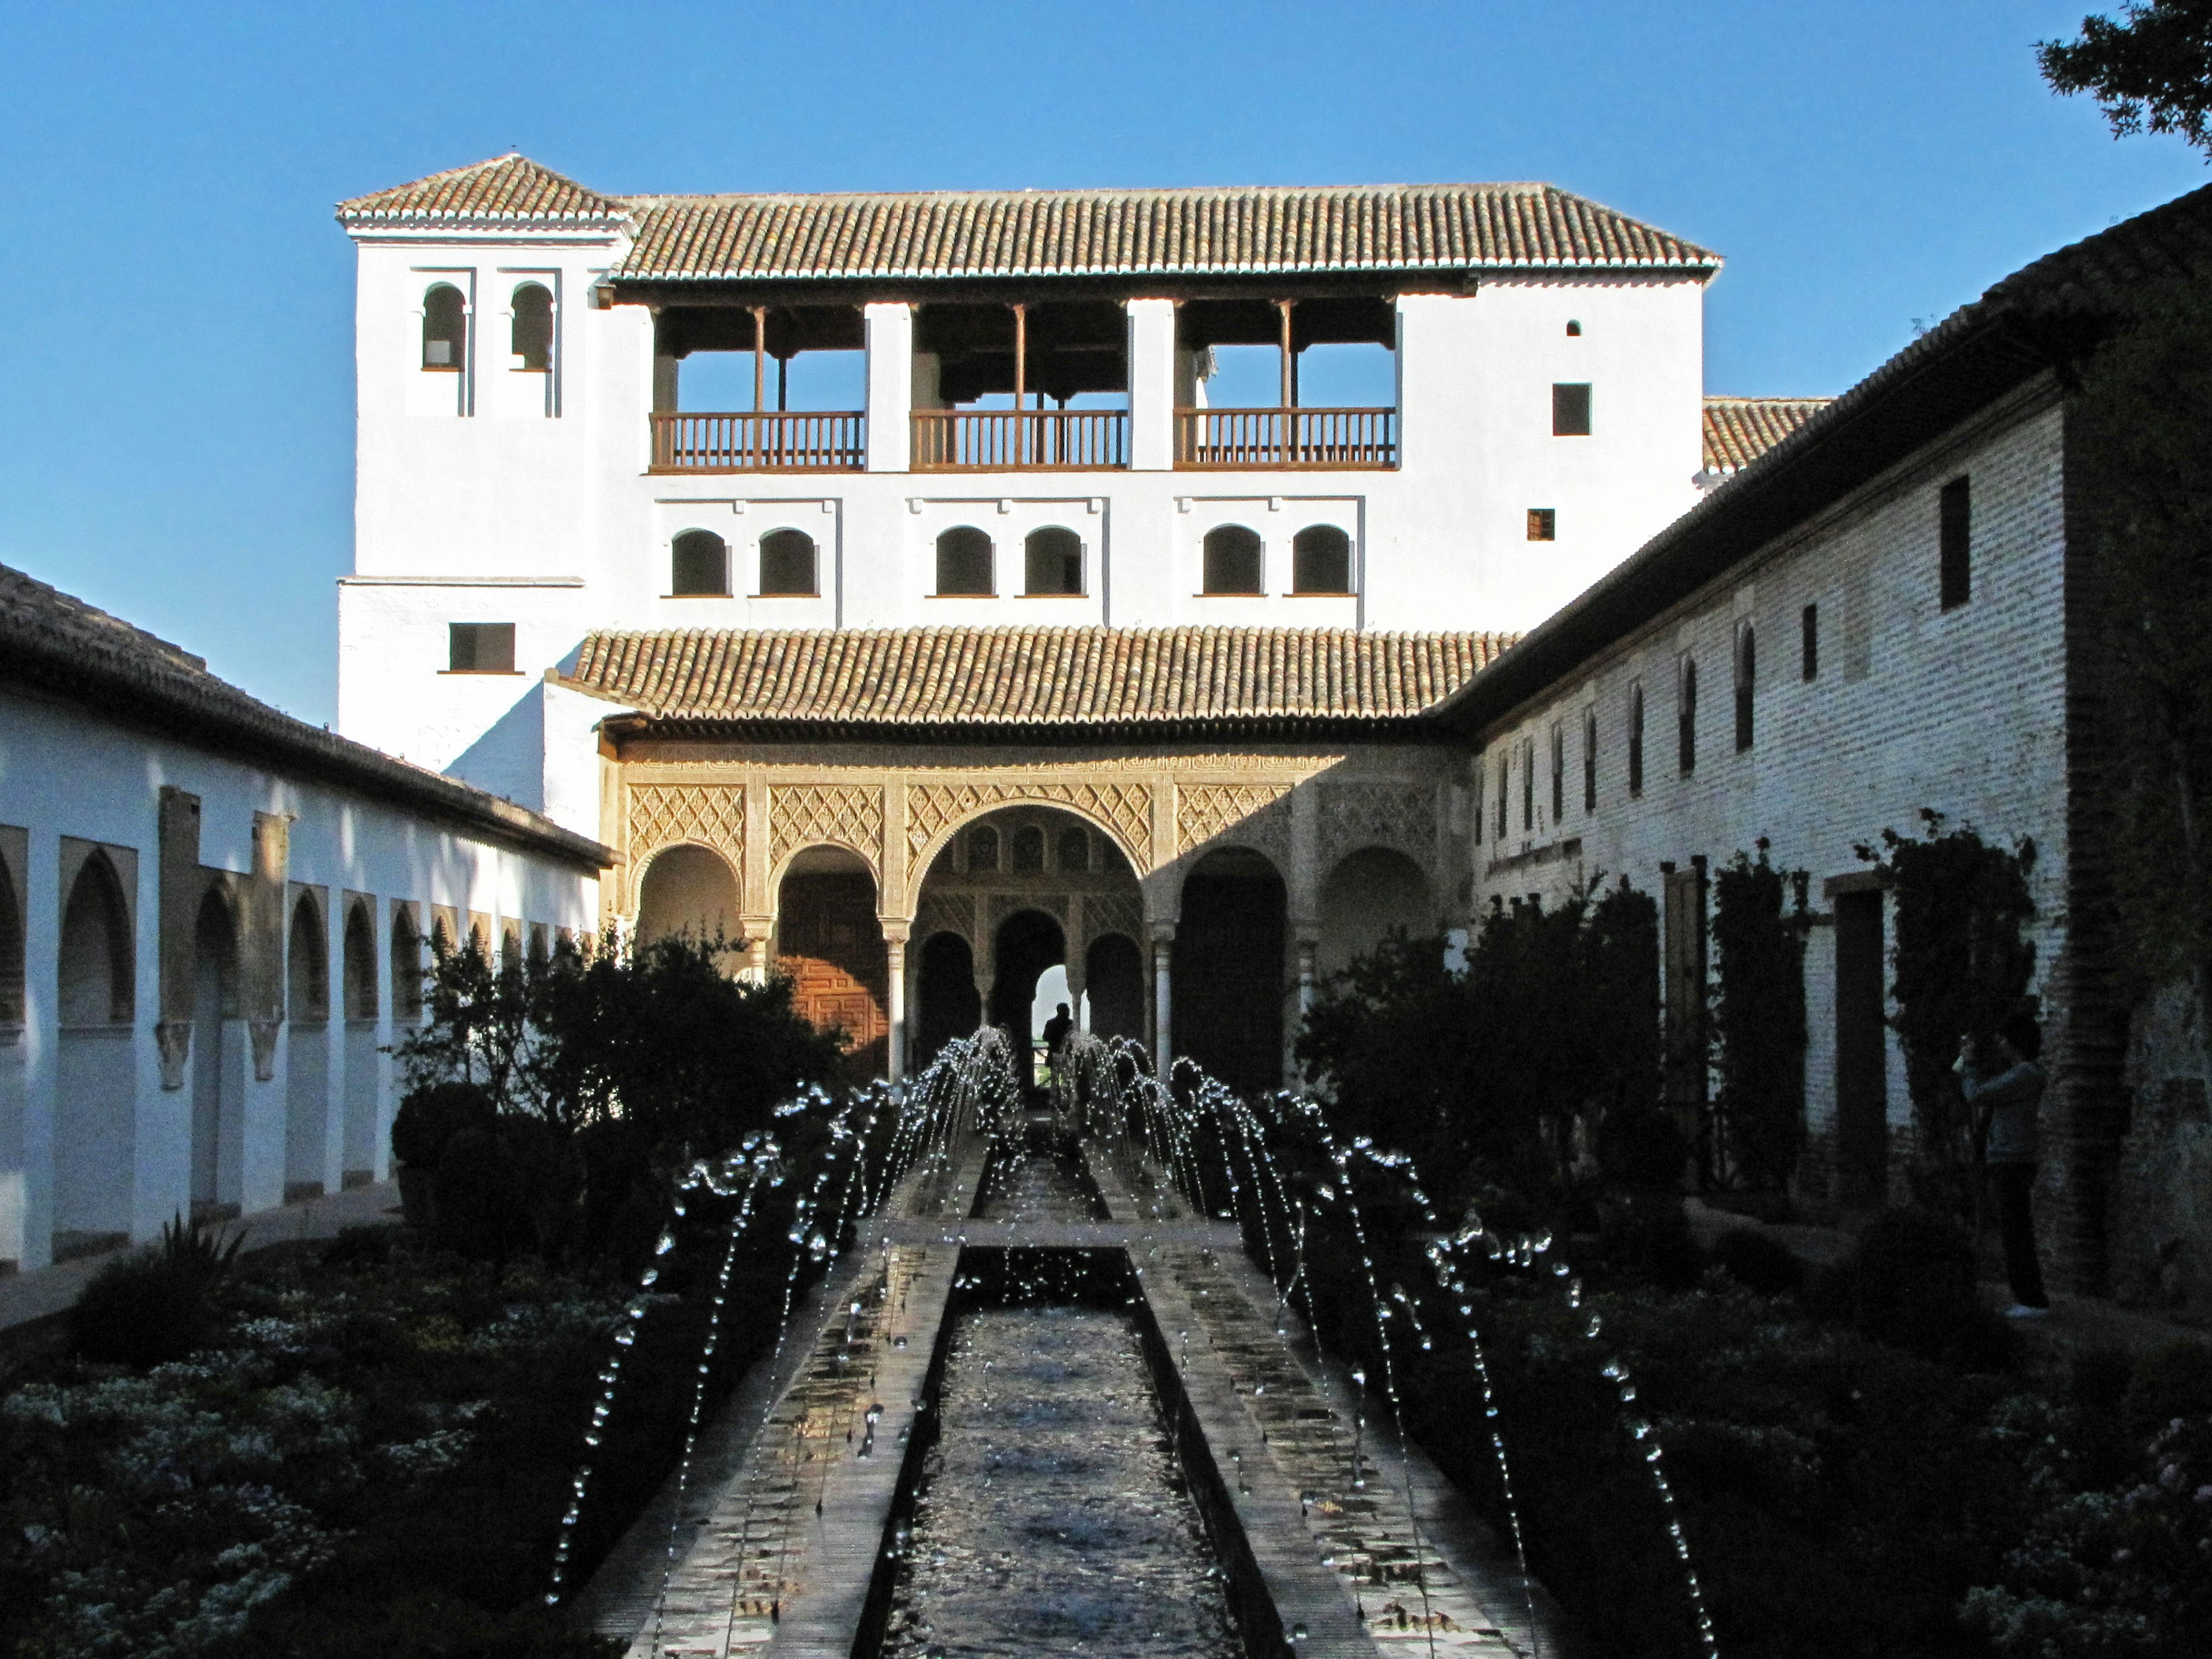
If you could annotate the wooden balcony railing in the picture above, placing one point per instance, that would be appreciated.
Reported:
(1264, 440)
(1028, 440)
(768, 441)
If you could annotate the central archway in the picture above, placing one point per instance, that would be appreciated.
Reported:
(1027, 943)
(829, 941)
(1228, 968)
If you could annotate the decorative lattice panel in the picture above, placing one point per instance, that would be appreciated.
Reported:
(932, 808)
(1004, 904)
(711, 814)
(946, 913)
(1114, 913)
(1205, 812)
(808, 814)
(1400, 815)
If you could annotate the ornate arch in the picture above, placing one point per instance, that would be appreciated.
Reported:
(936, 812)
(844, 815)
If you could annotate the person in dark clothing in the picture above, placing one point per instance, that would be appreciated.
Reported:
(1056, 1031)
(2005, 1091)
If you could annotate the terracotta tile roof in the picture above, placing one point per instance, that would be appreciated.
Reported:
(1162, 233)
(1739, 430)
(54, 646)
(1029, 677)
(507, 192)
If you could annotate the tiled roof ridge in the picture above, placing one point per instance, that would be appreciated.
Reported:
(509, 189)
(1027, 675)
(1104, 192)
(56, 643)
(1738, 430)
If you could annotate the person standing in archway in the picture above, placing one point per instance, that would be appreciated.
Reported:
(2005, 1093)
(1056, 1032)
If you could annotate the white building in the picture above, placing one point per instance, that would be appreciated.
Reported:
(212, 923)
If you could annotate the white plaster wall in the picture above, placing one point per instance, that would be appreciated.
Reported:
(1961, 711)
(63, 771)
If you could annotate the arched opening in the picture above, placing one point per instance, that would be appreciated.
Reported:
(1747, 681)
(1114, 982)
(983, 848)
(406, 969)
(1027, 943)
(1028, 849)
(1321, 560)
(1371, 894)
(829, 941)
(688, 891)
(1053, 561)
(963, 562)
(96, 1128)
(787, 565)
(445, 328)
(1075, 849)
(357, 1144)
(1232, 560)
(699, 566)
(218, 1063)
(530, 337)
(307, 1053)
(1228, 968)
(947, 1003)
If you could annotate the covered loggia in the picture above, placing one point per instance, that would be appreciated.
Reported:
(830, 943)
(218, 1062)
(1371, 894)
(1228, 970)
(308, 1062)
(95, 1138)
(688, 892)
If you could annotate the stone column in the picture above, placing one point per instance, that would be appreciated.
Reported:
(1163, 996)
(895, 937)
(1151, 385)
(1309, 943)
(758, 930)
(889, 335)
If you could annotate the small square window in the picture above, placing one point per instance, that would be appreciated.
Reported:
(480, 648)
(1570, 410)
(1543, 523)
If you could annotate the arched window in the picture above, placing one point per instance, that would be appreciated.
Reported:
(1321, 560)
(97, 983)
(445, 328)
(359, 963)
(530, 337)
(1746, 674)
(406, 967)
(983, 848)
(1574, 329)
(786, 563)
(307, 964)
(963, 562)
(699, 564)
(1074, 849)
(1028, 848)
(1685, 719)
(1636, 738)
(1232, 560)
(1054, 561)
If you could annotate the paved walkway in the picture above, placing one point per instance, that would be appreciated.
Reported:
(49, 1291)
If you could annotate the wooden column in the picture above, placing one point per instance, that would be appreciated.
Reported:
(760, 369)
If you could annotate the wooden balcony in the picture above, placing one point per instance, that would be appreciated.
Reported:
(1020, 441)
(1285, 439)
(770, 441)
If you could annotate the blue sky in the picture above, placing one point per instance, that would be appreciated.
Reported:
(175, 366)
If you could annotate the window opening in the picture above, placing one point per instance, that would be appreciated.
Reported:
(1504, 790)
(1574, 329)
(983, 848)
(1321, 560)
(699, 565)
(1685, 719)
(1635, 739)
(1808, 642)
(1482, 799)
(307, 965)
(1232, 560)
(1589, 760)
(445, 328)
(1053, 561)
(406, 967)
(1529, 783)
(1570, 410)
(360, 962)
(531, 334)
(1543, 523)
(95, 961)
(480, 648)
(1559, 772)
(963, 562)
(1954, 515)
(1074, 849)
(789, 566)
(1029, 849)
(1746, 677)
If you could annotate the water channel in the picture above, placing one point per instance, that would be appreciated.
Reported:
(1051, 1517)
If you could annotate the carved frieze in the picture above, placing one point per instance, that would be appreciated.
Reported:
(1113, 913)
(1396, 815)
(1004, 904)
(809, 814)
(714, 815)
(1243, 814)
(1127, 808)
(946, 913)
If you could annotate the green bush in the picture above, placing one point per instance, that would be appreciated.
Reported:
(2174, 1381)
(431, 1114)
(1758, 1262)
(155, 1305)
(507, 1186)
(1913, 1284)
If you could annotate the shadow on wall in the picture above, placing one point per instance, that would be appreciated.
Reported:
(509, 759)
(2161, 1206)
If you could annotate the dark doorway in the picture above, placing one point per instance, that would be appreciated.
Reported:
(829, 942)
(1029, 942)
(1227, 969)
(1114, 982)
(1861, 1055)
(949, 1006)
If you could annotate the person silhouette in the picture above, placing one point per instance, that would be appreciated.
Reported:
(1056, 1032)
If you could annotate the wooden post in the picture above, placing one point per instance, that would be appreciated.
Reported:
(760, 348)
(1021, 374)
(1288, 453)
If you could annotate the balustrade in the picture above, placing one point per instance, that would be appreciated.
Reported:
(1028, 439)
(761, 441)
(1264, 440)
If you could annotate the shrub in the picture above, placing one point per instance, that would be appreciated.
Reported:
(1758, 1262)
(1913, 1284)
(2174, 1381)
(431, 1116)
(156, 1304)
(505, 1187)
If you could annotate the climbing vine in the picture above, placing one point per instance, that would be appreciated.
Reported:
(1963, 964)
(1757, 1128)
